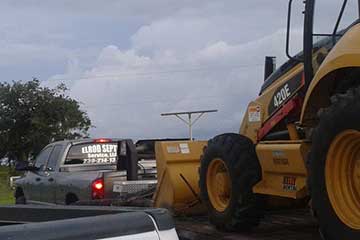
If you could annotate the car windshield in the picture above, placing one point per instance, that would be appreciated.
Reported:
(92, 154)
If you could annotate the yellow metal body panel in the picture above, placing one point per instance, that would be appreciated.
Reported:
(345, 54)
(283, 168)
(250, 127)
(177, 165)
(293, 133)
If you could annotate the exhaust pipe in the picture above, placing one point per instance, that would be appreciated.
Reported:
(270, 66)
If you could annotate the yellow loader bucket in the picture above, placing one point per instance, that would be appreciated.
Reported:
(178, 177)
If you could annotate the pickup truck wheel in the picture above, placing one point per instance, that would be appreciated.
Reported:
(20, 200)
(19, 196)
(71, 199)
(229, 169)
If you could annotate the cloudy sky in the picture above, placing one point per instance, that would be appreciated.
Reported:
(128, 61)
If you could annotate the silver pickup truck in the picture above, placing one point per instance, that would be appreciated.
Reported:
(75, 171)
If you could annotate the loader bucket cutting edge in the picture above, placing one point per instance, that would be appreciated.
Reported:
(177, 165)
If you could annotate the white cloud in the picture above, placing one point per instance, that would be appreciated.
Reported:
(126, 91)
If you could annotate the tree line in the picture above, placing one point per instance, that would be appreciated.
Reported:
(32, 115)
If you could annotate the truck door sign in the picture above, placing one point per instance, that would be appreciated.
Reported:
(87, 153)
(285, 91)
(99, 153)
(99, 148)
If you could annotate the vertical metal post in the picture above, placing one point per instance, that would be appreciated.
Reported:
(190, 127)
(288, 26)
(308, 42)
(359, 7)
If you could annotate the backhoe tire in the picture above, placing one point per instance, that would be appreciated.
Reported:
(235, 158)
(334, 168)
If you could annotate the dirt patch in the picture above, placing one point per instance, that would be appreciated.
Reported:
(277, 225)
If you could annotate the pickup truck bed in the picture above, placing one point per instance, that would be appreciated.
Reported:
(113, 221)
(277, 225)
(79, 222)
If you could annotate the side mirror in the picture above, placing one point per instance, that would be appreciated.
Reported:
(25, 166)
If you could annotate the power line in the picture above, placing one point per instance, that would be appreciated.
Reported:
(212, 68)
(167, 100)
(129, 74)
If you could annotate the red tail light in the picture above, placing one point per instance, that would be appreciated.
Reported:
(98, 189)
(102, 140)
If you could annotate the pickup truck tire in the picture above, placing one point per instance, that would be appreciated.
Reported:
(71, 199)
(231, 163)
(20, 200)
(19, 196)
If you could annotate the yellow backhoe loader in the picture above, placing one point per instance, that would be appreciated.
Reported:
(299, 142)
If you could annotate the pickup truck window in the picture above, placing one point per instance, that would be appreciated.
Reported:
(42, 158)
(92, 153)
(54, 157)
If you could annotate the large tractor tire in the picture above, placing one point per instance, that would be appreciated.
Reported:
(334, 168)
(229, 169)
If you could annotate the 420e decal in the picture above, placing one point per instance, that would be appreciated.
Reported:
(284, 92)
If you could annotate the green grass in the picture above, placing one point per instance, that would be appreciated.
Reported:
(6, 194)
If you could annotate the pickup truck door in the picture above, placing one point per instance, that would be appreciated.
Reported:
(48, 190)
(35, 178)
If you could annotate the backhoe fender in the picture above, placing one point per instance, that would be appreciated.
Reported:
(342, 61)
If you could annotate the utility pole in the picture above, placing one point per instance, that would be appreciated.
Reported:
(189, 121)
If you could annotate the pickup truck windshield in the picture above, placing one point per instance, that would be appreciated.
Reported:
(92, 153)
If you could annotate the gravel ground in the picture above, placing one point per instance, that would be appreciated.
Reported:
(279, 225)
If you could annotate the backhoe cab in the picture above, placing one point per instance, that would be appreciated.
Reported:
(299, 140)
